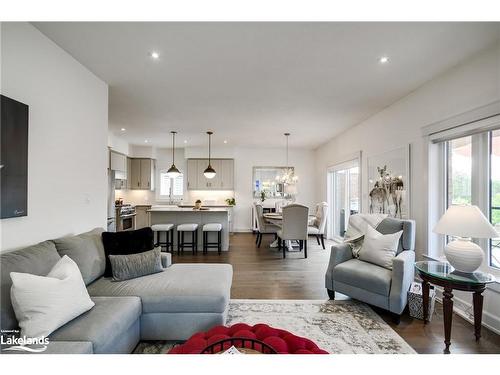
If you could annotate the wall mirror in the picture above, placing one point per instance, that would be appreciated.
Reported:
(266, 179)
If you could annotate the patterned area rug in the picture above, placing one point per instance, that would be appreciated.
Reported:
(339, 327)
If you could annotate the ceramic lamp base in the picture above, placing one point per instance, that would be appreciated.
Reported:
(464, 255)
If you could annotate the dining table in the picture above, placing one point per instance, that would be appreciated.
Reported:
(276, 218)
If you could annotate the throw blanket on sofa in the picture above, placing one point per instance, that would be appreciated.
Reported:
(356, 229)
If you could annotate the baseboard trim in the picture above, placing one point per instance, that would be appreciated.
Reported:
(242, 230)
(465, 310)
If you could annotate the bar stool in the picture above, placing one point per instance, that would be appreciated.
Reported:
(169, 235)
(212, 227)
(181, 229)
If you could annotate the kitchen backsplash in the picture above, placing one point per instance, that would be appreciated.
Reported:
(137, 197)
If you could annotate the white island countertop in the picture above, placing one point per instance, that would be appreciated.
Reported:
(165, 208)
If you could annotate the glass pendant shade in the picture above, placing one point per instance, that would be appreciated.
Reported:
(209, 172)
(173, 171)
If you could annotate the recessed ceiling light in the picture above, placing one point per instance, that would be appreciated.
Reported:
(185, 141)
(146, 141)
(225, 140)
(123, 129)
(383, 60)
(154, 55)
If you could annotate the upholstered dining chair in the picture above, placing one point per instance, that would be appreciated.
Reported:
(263, 227)
(318, 225)
(294, 227)
(370, 283)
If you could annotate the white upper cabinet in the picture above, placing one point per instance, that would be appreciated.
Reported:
(118, 162)
(223, 179)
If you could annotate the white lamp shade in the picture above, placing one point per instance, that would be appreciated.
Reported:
(465, 221)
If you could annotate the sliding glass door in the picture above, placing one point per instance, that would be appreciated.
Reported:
(343, 196)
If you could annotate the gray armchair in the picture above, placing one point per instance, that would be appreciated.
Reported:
(371, 283)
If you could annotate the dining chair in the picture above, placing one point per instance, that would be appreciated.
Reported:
(278, 206)
(318, 225)
(263, 227)
(294, 227)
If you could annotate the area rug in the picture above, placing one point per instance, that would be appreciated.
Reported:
(339, 327)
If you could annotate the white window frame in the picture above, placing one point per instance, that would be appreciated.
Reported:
(170, 196)
(480, 188)
(353, 161)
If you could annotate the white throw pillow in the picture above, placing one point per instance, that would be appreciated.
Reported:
(379, 248)
(42, 304)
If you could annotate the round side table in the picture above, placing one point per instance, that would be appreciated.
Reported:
(444, 275)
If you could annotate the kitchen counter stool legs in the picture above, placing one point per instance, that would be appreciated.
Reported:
(158, 229)
(212, 227)
(181, 243)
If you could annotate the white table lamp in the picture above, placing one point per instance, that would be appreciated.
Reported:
(464, 222)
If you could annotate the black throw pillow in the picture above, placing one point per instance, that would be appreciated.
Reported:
(125, 243)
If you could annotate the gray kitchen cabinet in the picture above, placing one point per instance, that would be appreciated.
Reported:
(142, 216)
(223, 179)
(192, 174)
(135, 174)
(227, 174)
(142, 174)
(202, 181)
(129, 173)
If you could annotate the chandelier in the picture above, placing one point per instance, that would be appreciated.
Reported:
(287, 177)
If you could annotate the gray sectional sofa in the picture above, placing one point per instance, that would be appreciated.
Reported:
(170, 305)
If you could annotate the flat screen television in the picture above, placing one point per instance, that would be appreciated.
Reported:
(14, 158)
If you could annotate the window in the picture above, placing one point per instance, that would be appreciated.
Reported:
(459, 171)
(472, 170)
(171, 187)
(343, 196)
(495, 196)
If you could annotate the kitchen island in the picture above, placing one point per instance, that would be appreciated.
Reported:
(183, 215)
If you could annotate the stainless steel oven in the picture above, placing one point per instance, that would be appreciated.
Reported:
(127, 222)
(125, 217)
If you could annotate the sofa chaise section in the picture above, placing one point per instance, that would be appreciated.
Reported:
(112, 326)
(182, 300)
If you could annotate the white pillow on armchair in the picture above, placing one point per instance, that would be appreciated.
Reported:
(378, 248)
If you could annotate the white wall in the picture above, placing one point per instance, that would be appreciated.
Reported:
(118, 144)
(472, 84)
(68, 108)
(244, 161)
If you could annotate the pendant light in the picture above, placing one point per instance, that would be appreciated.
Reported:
(288, 176)
(173, 172)
(209, 172)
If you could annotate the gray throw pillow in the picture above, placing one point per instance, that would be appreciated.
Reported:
(130, 266)
(87, 251)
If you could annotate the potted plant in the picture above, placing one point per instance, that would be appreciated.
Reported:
(262, 196)
(197, 204)
(231, 201)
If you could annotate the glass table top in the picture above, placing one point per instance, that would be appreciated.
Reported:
(444, 271)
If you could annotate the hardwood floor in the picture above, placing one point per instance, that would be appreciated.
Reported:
(264, 274)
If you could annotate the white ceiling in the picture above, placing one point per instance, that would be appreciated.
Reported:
(251, 82)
